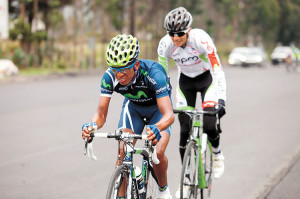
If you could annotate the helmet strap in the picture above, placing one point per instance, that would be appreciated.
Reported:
(133, 78)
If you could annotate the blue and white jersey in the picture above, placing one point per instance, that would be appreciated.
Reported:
(151, 83)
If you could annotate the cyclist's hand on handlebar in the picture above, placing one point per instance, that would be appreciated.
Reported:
(153, 133)
(87, 128)
(222, 110)
(151, 136)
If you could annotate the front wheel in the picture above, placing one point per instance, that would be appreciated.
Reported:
(207, 157)
(189, 172)
(118, 184)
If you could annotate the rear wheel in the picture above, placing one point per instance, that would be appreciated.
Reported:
(189, 172)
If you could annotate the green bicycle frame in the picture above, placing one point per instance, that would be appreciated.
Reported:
(202, 184)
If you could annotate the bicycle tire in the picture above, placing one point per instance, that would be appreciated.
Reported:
(208, 157)
(189, 171)
(120, 175)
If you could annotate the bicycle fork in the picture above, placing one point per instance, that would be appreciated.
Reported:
(132, 182)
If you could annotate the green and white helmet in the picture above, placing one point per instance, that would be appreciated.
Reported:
(122, 50)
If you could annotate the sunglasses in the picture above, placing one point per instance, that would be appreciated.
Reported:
(178, 34)
(122, 70)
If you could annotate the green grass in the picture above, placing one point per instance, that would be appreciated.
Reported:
(31, 71)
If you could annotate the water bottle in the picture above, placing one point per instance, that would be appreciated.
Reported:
(139, 179)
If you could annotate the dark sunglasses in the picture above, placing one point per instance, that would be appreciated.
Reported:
(179, 34)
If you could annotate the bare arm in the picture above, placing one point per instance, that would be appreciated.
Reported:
(165, 107)
(101, 114)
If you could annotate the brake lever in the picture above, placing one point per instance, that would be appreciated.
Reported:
(85, 146)
(87, 142)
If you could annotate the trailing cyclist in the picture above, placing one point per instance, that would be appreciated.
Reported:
(147, 91)
(199, 70)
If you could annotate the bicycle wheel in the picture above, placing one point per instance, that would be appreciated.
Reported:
(120, 177)
(189, 172)
(151, 184)
(207, 160)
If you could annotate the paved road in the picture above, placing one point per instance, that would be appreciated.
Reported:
(42, 152)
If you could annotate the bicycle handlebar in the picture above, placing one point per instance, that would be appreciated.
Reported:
(196, 112)
(118, 136)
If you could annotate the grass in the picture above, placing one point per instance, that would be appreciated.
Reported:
(32, 71)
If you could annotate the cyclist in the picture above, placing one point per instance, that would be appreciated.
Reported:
(147, 91)
(199, 70)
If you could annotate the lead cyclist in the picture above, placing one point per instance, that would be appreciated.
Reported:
(199, 70)
(146, 88)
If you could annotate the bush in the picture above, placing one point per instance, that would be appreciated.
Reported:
(30, 60)
(18, 56)
(21, 30)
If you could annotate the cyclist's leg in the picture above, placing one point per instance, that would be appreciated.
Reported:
(209, 101)
(185, 99)
(160, 170)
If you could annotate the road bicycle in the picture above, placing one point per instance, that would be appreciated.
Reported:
(291, 65)
(196, 172)
(128, 177)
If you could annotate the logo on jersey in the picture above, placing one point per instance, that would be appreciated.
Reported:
(105, 85)
(151, 80)
(183, 60)
(137, 96)
(161, 90)
(125, 88)
(161, 47)
(145, 73)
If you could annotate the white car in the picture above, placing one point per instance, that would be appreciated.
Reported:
(247, 56)
(280, 53)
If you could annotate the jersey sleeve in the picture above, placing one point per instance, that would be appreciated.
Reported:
(206, 45)
(106, 85)
(162, 51)
(159, 82)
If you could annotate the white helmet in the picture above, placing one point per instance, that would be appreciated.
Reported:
(177, 20)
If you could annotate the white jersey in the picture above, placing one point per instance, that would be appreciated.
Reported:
(199, 55)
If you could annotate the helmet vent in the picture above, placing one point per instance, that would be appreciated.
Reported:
(122, 50)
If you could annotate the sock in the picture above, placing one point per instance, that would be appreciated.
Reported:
(216, 150)
(161, 189)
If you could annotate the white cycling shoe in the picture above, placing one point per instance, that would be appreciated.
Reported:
(186, 191)
(218, 165)
(164, 195)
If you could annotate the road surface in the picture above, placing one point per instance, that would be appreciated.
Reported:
(42, 152)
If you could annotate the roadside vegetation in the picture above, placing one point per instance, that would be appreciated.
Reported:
(75, 33)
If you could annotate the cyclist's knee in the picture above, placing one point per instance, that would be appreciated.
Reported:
(160, 155)
(122, 149)
(210, 122)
